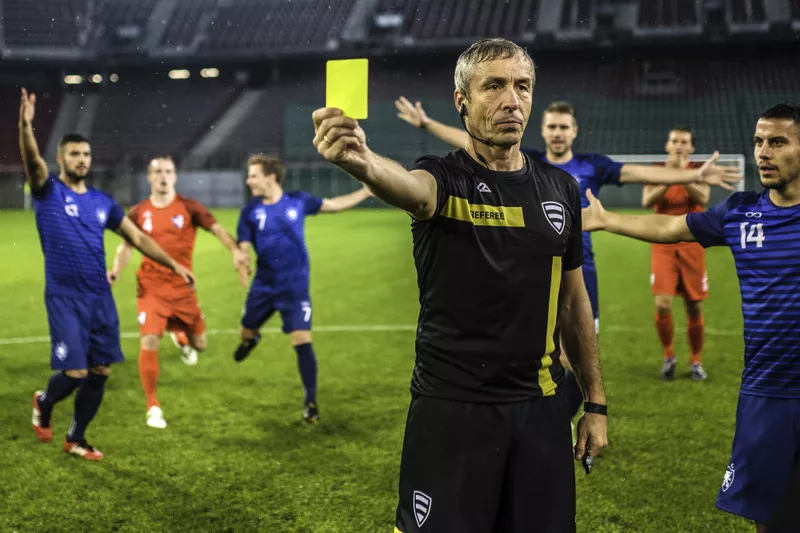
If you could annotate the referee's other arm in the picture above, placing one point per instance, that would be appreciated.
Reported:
(580, 343)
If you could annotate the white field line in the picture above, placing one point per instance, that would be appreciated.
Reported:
(364, 329)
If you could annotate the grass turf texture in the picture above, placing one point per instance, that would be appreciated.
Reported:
(236, 457)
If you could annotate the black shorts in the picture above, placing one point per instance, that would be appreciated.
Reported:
(487, 468)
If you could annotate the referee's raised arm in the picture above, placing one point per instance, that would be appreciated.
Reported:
(340, 140)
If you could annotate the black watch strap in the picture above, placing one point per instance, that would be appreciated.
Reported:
(596, 408)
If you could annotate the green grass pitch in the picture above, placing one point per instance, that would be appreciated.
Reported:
(236, 458)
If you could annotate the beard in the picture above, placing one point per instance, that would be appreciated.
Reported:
(74, 176)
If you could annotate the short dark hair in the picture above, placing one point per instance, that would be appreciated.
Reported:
(561, 107)
(269, 165)
(72, 138)
(784, 110)
(684, 129)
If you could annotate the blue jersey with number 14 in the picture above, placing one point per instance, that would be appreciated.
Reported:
(765, 242)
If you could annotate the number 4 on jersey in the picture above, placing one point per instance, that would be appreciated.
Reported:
(755, 234)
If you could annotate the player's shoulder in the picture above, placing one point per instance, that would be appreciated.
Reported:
(592, 158)
(297, 195)
(554, 176)
(744, 200)
(100, 194)
(188, 202)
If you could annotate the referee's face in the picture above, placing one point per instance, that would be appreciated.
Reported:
(500, 100)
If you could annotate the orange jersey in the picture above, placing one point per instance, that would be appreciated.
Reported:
(174, 228)
(676, 201)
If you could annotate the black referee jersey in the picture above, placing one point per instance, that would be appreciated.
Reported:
(489, 269)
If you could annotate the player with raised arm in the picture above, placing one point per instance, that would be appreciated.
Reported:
(163, 300)
(761, 229)
(498, 252)
(84, 327)
(273, 225)
(679, 268)
(559, 129)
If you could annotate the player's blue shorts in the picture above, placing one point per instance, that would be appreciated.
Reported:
(766, 446)
(590, 280)
(292, 302)
(84, 331)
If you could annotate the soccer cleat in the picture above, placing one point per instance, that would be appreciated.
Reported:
(155, 418)
(311, 413)
(244, 348)
(84, 450)
(45, 434)
(697, 373)
(668, 369)
(188, 354)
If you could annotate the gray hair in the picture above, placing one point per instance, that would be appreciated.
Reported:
(486, 50)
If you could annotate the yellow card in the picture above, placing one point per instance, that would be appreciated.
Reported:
(346, 86)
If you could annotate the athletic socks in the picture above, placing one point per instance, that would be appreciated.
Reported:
(87, 401)
(59, 386)
(666, 330)
(307, 364)
(148, 374)
(696, 330)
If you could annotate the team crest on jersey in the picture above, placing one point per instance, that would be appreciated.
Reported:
(554, 212)
(178, 221)
(727, 481)
(422, 507)
(61, 351)
(291, 213)
(102, 216)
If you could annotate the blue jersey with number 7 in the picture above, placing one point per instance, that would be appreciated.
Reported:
(765, 241)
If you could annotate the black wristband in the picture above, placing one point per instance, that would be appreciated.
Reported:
(596, 408)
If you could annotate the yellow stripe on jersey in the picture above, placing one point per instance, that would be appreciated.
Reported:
(483, 215)
(546, 382)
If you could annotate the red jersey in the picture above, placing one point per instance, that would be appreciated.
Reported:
(676, 201)
(174, 228)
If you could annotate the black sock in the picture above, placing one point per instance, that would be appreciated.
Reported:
(59, 387)
(87, 401)
(574, 397)
(307, 364)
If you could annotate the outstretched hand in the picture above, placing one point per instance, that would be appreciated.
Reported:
(712, 174)
(27, 107)
(411, 113)
(340, 140)
(594, 215)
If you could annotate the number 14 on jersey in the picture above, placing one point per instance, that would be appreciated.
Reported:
(754, 235)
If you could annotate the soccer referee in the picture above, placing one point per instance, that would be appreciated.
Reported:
(498, 252)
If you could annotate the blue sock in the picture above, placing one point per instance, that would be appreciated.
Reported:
(307, 363)
(87, 401)
(574, 395)
(59, 387)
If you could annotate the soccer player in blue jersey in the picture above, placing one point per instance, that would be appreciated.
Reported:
(761, 229)
(592, 171)
(273, 224)
(84, 327)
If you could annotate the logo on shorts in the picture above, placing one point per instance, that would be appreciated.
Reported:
(178, 221)
(727, 481)
(142, 318)
(61, 351)
(422, 507)
(554, 212)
